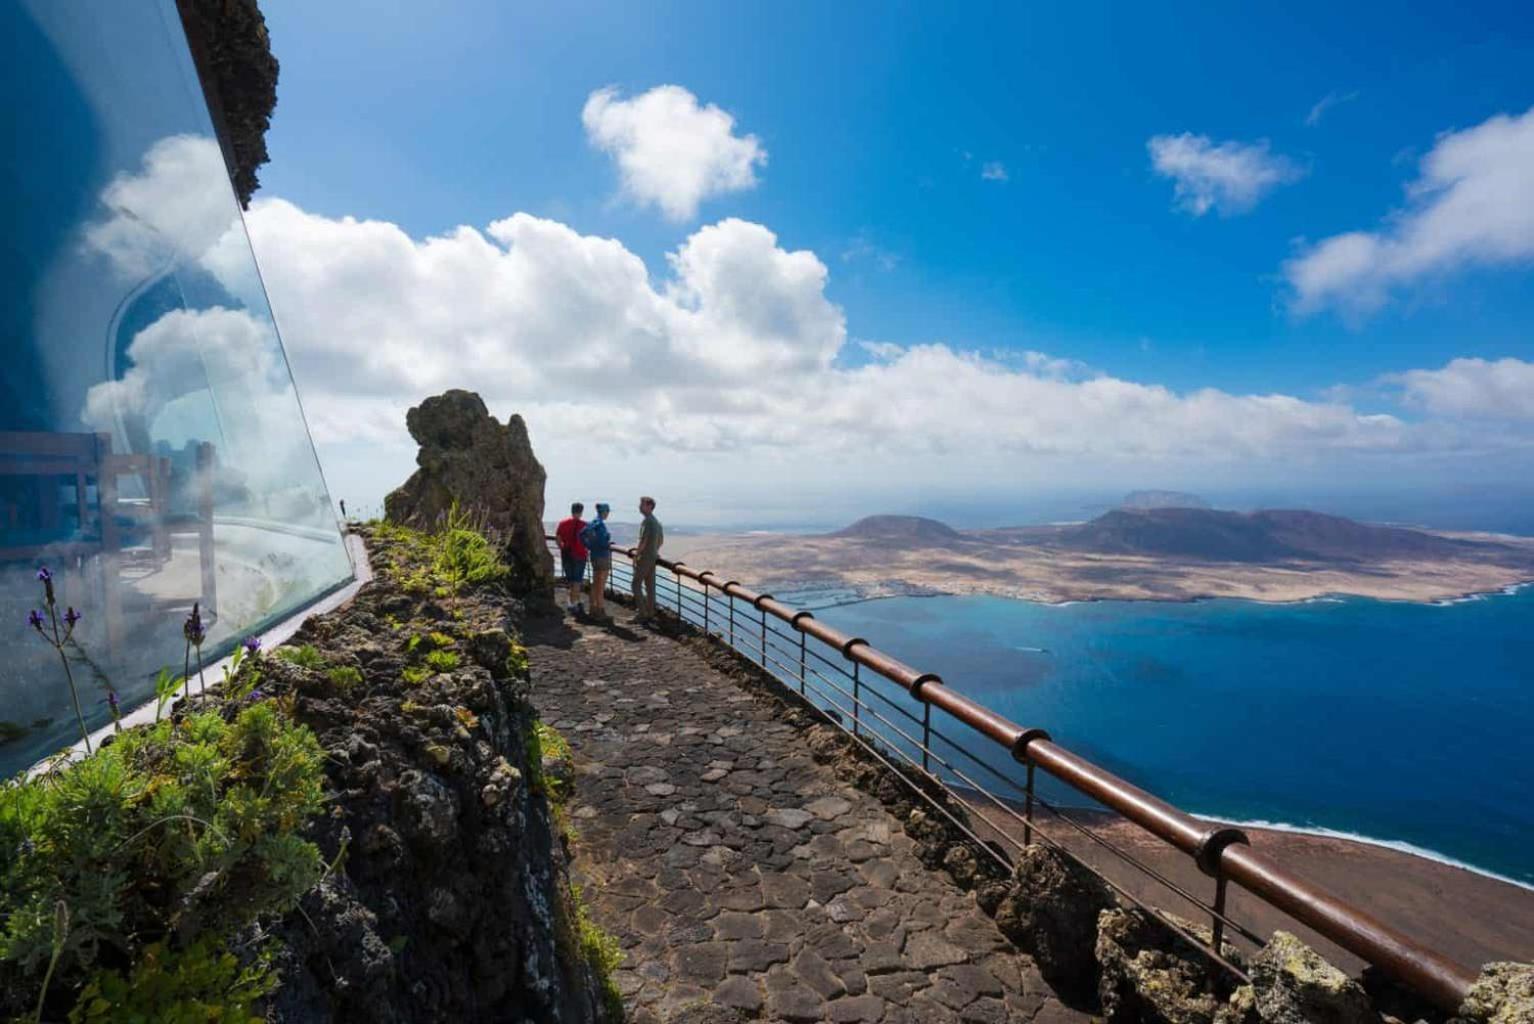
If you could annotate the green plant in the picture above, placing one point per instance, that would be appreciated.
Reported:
(166, 683)
(444, 562)
(545, 743)
(442, 661)
(305, 656)
(601, 952)
(344, 677)
(198, 985)
(239, 685)
(439, 640)
(415, 675)
(516, 661)
(174, 823)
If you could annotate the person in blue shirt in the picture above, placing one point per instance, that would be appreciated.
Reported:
(599, 545)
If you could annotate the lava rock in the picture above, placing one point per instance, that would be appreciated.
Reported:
(486, 469)
(1051, 913)
(1292, 984)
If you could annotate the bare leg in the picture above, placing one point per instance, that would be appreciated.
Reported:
(598, 589)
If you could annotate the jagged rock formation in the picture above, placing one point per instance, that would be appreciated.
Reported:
(449, 898)
(1292, 984)
(1150, 974)
(488, 470)
(1052, 912)
(239, 77)
(1504, 994)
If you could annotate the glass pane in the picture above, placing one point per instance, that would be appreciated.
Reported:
(153, 452)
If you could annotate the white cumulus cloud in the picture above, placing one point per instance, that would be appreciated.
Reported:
(1479, 388)
(1228, 177)
(734, 351)
(1471, 205)
(672, 152)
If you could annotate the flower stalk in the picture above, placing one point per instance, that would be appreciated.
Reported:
(47, 627)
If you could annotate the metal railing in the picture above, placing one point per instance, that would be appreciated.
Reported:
(848, 680)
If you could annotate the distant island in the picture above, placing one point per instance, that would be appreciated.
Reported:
(1145, 549)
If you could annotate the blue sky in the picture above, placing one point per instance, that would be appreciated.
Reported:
(879, 123)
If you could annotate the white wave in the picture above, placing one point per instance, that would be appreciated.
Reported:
(1399, 845)
(1030, 650)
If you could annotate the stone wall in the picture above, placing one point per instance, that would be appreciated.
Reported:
(449, 898)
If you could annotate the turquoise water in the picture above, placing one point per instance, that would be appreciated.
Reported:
(1405, 723)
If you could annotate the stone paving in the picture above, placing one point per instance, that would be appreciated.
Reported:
(739, 873)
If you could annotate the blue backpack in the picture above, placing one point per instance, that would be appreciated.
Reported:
(599, 543)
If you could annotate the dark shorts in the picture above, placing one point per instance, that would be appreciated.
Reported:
(574, 568)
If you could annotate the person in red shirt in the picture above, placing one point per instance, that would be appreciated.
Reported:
(572, 555)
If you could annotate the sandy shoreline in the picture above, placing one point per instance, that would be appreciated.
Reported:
(1473, 917)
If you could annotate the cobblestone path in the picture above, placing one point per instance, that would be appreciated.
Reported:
(738, 872)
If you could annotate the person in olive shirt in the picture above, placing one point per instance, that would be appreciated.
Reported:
(651, 537)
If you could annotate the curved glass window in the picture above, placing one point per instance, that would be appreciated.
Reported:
(153, 453)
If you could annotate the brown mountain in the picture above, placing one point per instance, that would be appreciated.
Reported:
(912, 531)
(1267, 536)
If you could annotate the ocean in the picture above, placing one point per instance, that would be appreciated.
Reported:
(1407, 724)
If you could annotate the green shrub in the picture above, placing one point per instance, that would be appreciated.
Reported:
(601, 952)
(415, 675)
(516, 661)
(444, 562)
(344, 677)
(442, 661)
(439, 640)
(306, 656)
(204, 983)
(196, 821)
(546, 742)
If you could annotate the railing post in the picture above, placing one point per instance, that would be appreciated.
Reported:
(1219, 912)
(926, 737)
(764, 636)
(704, 581)
(732, 616)
(1028, 808)
(678, 575)
(801, 661)
(856, 703)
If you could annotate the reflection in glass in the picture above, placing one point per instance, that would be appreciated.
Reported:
(153, 453)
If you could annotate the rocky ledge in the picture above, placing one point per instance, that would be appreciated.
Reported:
(448, 897)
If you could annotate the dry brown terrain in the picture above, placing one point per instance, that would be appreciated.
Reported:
(1026, 565)
(1469, 916)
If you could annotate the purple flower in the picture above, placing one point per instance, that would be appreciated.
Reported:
(255, 695)
(71, 617)
(252, 644)
(35, 619)
(193, 630)
(112, 701)
(43, 575)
